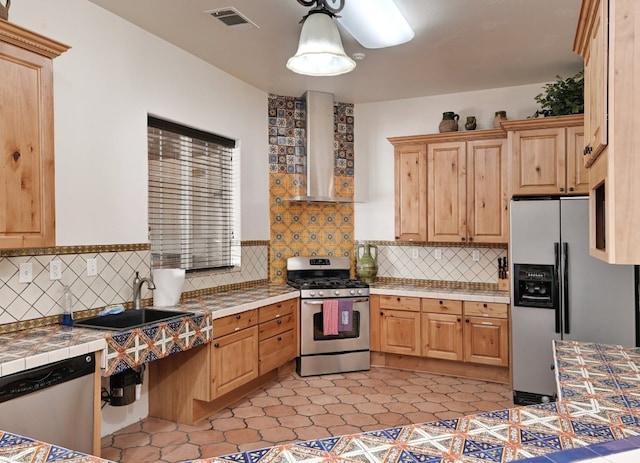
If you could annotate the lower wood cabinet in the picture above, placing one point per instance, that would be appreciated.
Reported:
(234, 361)
(442, 329)
(248, 349)
(399, 325)
(455, 332)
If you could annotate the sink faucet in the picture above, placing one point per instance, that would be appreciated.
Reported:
(137, 289)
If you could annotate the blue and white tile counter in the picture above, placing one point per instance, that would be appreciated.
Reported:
(34, 347)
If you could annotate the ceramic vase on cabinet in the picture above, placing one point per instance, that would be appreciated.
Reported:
(471, 123)
(499, 117)
(449, 122)
(367, 262)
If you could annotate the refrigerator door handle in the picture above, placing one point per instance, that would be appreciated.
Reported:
(556, 271)
(565, 285)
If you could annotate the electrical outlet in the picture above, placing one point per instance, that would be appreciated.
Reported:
(26, 272)
(55, 270)
(92, 267)
(415, 253)
(476, 255)
(437, 254)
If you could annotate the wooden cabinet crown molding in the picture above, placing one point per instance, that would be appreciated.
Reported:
(29, 40)
(467, 135)
(543, 122)
(588, 14)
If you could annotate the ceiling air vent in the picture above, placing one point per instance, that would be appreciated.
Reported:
(231, 17)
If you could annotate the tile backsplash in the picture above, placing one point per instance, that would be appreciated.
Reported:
(417, 262)
(22, 302)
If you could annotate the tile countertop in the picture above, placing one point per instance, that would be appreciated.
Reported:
(22, 350)
(595, 420)
(441, 292)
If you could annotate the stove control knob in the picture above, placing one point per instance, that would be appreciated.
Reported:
(336, 292)
(353, 292)
(320, 293)
(312, 293)
(360, 291)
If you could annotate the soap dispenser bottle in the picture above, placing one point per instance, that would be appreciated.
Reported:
(67, 306)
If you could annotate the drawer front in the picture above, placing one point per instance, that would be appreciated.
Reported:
(276, 351)
(233, 323)
(277, 326)
(277, 310)
(400, 303)
(486, 309)
(442, 306)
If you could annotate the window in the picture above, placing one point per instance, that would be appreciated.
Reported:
(192, 198)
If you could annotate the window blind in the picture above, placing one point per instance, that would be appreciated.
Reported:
(192, 185)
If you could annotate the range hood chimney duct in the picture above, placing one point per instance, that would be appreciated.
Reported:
(320, 149)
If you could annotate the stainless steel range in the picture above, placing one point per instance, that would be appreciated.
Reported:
(334, 315)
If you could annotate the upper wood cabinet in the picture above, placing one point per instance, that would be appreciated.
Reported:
(411, 192)
(591, 43)
(27, 217)
(608, 37)
(462, 195)
(545, 156)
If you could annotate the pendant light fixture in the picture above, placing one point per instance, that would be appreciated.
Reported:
(320, 51)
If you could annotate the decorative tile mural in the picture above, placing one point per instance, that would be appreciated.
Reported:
(301, 228)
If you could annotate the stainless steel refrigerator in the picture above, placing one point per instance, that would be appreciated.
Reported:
(559, 291)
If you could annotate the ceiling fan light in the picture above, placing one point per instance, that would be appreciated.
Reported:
(320, 51)
(376, 24)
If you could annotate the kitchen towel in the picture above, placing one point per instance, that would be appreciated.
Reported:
(330, 317)
(345, 315)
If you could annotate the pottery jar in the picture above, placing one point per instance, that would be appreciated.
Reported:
(449, 122)
(471, 123)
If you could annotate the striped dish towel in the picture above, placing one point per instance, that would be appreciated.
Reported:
(330, 317)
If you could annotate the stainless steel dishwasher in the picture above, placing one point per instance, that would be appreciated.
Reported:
(52, 403)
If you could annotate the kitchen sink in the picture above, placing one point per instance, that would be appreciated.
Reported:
(130, 319)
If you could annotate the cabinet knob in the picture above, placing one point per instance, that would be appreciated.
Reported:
(382, 313)
(279, 322)
(459, 319)
(441, 302)
(484, 305)
(217, 344)
(398, 299)
(467, 320)
(279, 338)
(279, 305)
(471, 238)
(463, 238)
(561, 189)
(238, 317)
(571, 188)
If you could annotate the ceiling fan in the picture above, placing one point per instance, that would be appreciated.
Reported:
(373, 24)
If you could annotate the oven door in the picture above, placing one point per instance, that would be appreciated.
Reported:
(314, 341)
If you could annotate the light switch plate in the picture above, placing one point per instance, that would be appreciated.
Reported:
(476, 255)
(415, 253)
(437, 254)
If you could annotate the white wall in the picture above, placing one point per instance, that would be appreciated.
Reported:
(375, 122)
(113, 75)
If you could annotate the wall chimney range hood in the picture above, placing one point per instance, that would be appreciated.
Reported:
(320, 149)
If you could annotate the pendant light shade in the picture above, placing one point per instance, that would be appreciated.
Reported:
(320, 51)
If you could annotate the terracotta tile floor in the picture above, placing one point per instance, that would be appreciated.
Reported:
(295, 409)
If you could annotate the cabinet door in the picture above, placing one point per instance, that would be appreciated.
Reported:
(442, 336)
(276, 351)
(486, 341)
(577, 173)
(400, 332)
(595, 83)
(411, 193)
(234, 361)
(26, 149)
(539, 160)
(446, 192)
(487, 192)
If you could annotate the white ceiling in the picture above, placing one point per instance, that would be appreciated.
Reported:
(460, 45)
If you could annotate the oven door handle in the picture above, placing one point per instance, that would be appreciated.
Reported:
(322, 302)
